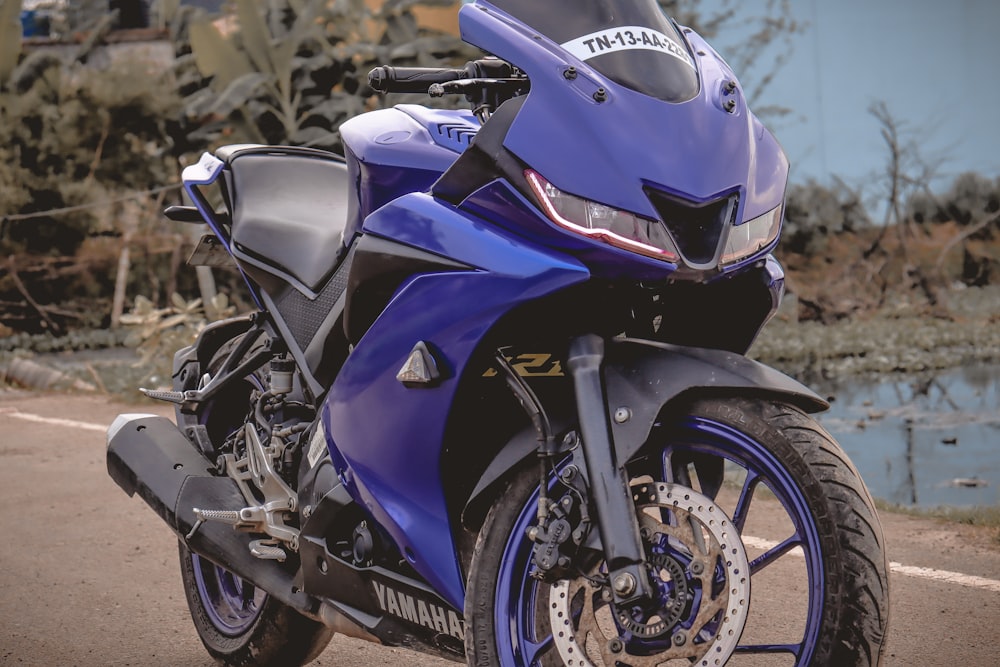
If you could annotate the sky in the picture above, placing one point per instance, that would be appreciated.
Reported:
(933, 63)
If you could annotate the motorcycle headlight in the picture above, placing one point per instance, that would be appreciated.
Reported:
(610, 225)
(750, 237)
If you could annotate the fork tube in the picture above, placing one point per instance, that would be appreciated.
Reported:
(616, 519)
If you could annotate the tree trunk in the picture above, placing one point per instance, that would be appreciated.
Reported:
(129, 222)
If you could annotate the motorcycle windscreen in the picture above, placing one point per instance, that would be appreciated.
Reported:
(629, 41)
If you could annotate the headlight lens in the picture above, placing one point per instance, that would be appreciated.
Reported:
(750, 237)
(609, 225)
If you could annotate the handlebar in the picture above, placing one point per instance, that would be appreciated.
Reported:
(486, 83)
(387, 79)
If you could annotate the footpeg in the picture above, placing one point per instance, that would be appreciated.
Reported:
(266, 550)
(232, 517)
(161, 395)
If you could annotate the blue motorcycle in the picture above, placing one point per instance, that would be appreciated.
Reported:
(494, 402)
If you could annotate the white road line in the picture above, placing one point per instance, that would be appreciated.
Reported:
(969, 580)
(70, 423)
(944, 575)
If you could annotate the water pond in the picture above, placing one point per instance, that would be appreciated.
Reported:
(922, 441)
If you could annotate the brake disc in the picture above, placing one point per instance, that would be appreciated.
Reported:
(700, 568)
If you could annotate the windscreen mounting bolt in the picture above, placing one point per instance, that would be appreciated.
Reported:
(569, 73)
(600, 95)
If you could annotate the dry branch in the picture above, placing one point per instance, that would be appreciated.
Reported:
(983, 224)
(12, 270)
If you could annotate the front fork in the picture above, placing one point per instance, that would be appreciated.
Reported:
(603, 483)
(609, 488)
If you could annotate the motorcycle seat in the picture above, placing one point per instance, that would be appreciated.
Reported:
(289, 208)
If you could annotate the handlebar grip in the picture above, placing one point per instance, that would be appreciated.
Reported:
(387, 79)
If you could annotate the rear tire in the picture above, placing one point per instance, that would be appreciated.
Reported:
(834, 525)
(242, 628)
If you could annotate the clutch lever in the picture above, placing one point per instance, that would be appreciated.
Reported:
(486, 94)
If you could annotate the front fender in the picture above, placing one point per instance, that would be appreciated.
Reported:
(641, 378)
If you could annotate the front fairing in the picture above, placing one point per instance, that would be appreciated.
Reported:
(594, 137)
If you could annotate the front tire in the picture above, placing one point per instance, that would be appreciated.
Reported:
(813, 543)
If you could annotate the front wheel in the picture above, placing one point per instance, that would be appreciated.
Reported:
(760, 537)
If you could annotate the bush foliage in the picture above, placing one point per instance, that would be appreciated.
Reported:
(71, 135)
(76, 138)
(293, 75)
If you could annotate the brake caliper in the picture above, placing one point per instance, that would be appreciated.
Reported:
(563, 526)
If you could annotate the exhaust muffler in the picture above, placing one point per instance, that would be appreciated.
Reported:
(149, 455)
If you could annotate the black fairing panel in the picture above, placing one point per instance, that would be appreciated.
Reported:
(378, 268)
(289, 208)
(485, 160)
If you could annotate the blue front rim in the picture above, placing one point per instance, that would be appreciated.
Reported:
(232, 604)
(517, 611)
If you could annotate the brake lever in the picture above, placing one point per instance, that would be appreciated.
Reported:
(461, 86)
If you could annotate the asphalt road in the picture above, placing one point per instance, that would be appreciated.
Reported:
(89, 576)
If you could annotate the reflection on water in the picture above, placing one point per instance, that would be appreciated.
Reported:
(923, 440)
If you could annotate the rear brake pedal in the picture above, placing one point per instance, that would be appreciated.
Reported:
(266, 550)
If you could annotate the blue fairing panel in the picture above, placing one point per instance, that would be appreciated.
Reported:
(450, 312)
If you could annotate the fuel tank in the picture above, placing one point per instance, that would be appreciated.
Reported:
(392, 152)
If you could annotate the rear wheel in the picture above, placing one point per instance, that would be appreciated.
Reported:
(239, 624)
(760, 537)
